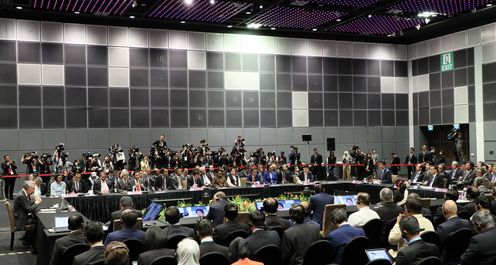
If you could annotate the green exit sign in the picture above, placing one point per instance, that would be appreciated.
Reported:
(447, 61)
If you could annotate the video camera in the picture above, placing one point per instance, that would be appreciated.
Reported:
(59, 147)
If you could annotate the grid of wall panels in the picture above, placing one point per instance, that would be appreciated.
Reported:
(444, 97)
(112, 77)
(489, 90)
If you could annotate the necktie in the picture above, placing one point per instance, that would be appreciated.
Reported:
(138, 186)
(254, 178)
(77, 186)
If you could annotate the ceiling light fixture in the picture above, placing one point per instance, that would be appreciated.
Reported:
(19, 7)
(427, 20)
(488, 5)
(212, 2)
(183, 22)
(188, 2)
(229, 26)
(369, 16)
(273, 28)
(261, 6)
(248, 12)
(417, 27)
(314, 29)
(132, 17)
(254, 25)
(76, 12)
(135, 4)
(338, 20)
(427, 14)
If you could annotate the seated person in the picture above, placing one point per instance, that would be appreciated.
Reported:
(481, 249)
(129, 219)
(57, 188)
(25, 211)
(174, 229)
(239, 253)
(103, 184)
(41, 188)
(306, 175)
(75, 224)
(270, 176)
(260, 237)
(308, 213)
(296, 239)
(125, 203)
(116, 253)
(205, 230)
(77, 185)
(195, 179)
(452, 223)
(341, 234)
(270, 208)
(417, 249)
(223, 231)
(364, 214)
(93, 232)
(318, 203)
(154, 246)
(387, 210)
(188, 252)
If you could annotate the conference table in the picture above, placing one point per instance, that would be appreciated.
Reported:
(100, 207)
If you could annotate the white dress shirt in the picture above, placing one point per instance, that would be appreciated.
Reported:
(360, 218)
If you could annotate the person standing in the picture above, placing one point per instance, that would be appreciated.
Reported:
(9, 169)
(25, 211)
(411, 159)
(346, 166)
(316, 160)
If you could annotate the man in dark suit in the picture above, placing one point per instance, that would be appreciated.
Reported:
(174, 229)
(76, 185)
(424, 155)
(385, 175)
(306, 175)
(316, 160)
(129, 219)
(453, 222)
(387, 210)
(395, 162)
(9, 169)
(260, 237)
(438, 217)
(103, 185)
(93, 232)
(223, 231)
(469, 175)
(341, 234)
(123, 183)
(318, 203)
(75, 224)
(420, 174)
(204, 230)
(411, 159)
(126, 203)
(481, 250)
(25, 211)
(435, 179)
(417, 249)
(195, 179)
(270, 208)
(216, 211)
(456, 172)
(296, 239)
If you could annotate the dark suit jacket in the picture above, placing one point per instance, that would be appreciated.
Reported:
(124, 234)
(261, 238)
(447, 228)
(24, 210)
(209, 247)
(121, 185)
(413, 160)
(271, 220)
(91, 256)
(386, 177)
(310, 177)
(222, 231)
(178, 230)
(117, 215)
(481, 250)
(71, 186)
(61, 244)
(295, 242)
(415, 252)
(216, 213)
(395, 169)
(424, 158)
(318, 203)
(437, 181)
(340, 237)
(191, 181)
(420, 178)
(469, 179)
(455, 174)
(147, 257)
(388, 210)
(97, 186)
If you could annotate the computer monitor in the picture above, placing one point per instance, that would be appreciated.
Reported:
(259, 206)
(194, 211)
(283, 204)
(348, 200)
(378, 253)
(61, 222)
(153, 211)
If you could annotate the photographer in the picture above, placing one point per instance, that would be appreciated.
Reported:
(9, 169)
(107, 164)
(45, 164)
(32, 162)
(358, 158)
(92, 162)
(58, 155)
(135, 156)
(238, 151)
(118, 157)
(294, 156)
(456, 138)
(158, 153)
(63, 166)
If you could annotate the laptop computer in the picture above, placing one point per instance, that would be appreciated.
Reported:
(153, 211)
(378, 253)
(194, 211)
(61, 224)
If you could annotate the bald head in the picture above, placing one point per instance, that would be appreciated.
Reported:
(449, 209)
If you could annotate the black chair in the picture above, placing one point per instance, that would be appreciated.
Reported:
(388, 227)
(214, 258)
(173, 241)
(135, 248)
(165, 260)
(268, 255)
(354, 251)
(464, 215)
(72, 251)
(373, 231)
(380, 262)
(318, 253)
(431, 237)
(233, 235)
(430, 261)
(278, 229)
(455, 246)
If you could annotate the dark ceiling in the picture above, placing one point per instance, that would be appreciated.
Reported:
(393, 21)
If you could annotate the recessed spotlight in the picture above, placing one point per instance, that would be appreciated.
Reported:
(369, 16)
(19, 7)
(254, 25)
(76, 12)
(248, 12)
(131, 16)
(182, 22)
(488, 5)
(426, 14)
(212, 2)
(229, 26)
(135, 4)
(338, 20)
(188, 2)
(261, 6)
(273, 28)
(314, 29)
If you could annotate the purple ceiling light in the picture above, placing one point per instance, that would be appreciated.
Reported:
(294, 17)
(352, 3)
(200, 10)
(378, 25)
(112, 7)
(448, 7)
